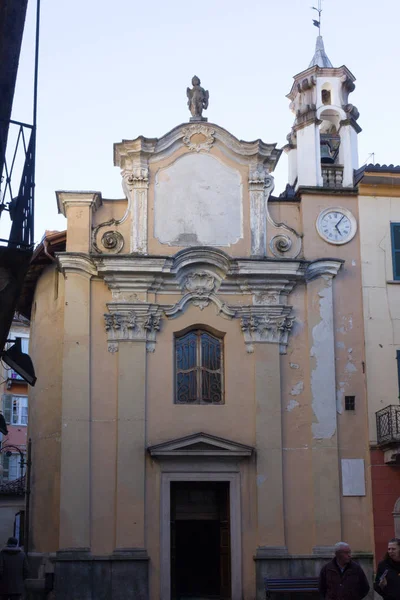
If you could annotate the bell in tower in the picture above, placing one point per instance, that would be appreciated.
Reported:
(322, 146)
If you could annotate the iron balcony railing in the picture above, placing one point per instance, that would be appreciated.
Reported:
(17, 184)
(388, 425)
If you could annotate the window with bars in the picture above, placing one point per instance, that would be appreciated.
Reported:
(395, 234)
(15, 409)
(199, 368)
(350, 402)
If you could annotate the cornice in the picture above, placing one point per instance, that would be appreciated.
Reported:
(153, 148)
(76, 262)
(327, 267)
(65, 199)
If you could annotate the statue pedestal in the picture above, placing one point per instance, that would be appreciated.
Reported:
(198, 119)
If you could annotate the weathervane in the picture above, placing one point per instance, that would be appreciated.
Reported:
(319, 11)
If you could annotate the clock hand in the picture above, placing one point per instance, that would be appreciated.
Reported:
(338, 223)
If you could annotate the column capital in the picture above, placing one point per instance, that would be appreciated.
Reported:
(76, 262)
(327, 267)
(78, 199)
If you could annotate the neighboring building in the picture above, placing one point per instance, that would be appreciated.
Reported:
(14, 406)
(379, 210)
(199, 349)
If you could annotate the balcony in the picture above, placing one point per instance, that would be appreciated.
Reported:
(388, 433)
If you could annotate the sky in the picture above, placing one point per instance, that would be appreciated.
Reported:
(113, 71)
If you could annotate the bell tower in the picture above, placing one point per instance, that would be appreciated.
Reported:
(322, 145)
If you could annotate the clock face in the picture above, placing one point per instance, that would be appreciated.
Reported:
(336, 225)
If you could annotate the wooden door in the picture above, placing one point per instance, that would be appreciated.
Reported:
(225, 543)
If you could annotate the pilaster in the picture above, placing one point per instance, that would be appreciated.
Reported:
(270, 511)
(76, 413)
(326, 476)
(78, 208)
(261, 185)
(130, 500)
(135, 184)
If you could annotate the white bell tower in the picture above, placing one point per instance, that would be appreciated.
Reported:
(322, 148)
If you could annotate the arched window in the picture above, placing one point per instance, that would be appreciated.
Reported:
(198, 368)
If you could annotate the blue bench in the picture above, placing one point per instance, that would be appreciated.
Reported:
(290, 585)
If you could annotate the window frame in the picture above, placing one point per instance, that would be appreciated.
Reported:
(218, 335)
(396, 277)
(7, 409)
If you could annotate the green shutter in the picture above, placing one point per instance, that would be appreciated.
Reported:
(6, 466)
(395, 234)
(7, 407)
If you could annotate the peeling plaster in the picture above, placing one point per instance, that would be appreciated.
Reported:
(340, 345)
(291, 405)
(297, 389)
(323, 386)
(340, 396)
(350, 367)
(294, 366)
(353, 263)
(347, 325)
(260, 480)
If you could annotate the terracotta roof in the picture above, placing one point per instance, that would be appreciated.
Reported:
(13, 488)
(382, 168)
(52, 242)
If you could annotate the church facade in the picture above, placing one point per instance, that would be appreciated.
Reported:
(197, 345)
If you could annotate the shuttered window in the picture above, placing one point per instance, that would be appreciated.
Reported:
(199, 368)
(15, 409)
(395, 232)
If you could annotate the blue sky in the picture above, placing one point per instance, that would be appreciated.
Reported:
(112, 71)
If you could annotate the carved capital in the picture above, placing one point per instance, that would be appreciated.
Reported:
(268, 325)
(132, 323)
(138, 177)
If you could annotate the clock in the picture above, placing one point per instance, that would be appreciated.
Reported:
(336, 225)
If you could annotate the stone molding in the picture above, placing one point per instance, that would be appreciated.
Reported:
(201, 277)
(327, 267)
(200, 444)
(67, 199)
(128, 152)
(132, 323)
(207, 133)
(76, 262)
(135, 183)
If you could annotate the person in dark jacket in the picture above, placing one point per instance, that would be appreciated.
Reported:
(387, 580)
(14, 570)
(342, 578)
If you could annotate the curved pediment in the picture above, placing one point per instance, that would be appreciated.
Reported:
(196, 137)
(200, 444)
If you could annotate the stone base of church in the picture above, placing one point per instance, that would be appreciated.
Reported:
(275, 562)
(122, 575)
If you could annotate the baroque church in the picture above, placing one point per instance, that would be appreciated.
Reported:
(195, 344)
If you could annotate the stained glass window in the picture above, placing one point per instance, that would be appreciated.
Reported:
(199, 369)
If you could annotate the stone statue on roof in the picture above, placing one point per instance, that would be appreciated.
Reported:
(197, 100)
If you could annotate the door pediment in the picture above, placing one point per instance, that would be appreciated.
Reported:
(200, 444)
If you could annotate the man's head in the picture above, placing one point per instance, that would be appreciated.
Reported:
(12, 541)
(394, 549)
(342, 553)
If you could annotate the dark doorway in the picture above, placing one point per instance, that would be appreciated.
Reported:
(200, 541)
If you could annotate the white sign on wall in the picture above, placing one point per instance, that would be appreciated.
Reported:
(353, 477)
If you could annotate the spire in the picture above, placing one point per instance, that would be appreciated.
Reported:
(320, 58)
